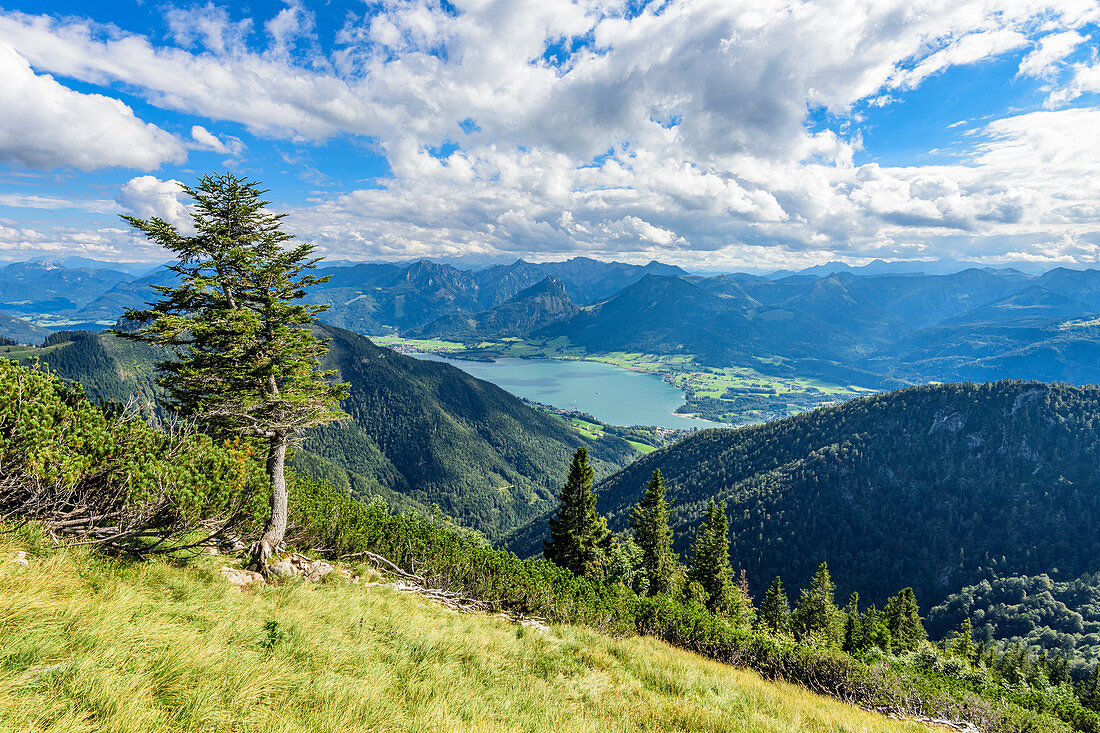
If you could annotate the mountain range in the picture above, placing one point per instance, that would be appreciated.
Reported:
(875, 327)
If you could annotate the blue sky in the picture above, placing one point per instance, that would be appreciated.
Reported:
(706, 133)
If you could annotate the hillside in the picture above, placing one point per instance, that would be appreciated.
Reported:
(433, 433)
(543, 303)
(927, 487)
(20, 330)
(108, 368)
(90, 644)
(1045, 614)
(421, 432)
(138, 491)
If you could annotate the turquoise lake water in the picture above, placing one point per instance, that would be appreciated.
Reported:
(616, 396)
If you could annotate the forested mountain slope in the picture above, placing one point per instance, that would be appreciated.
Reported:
(1044, 613)
(436, 434)
(929, 487)
(421, 432)
(20, 330)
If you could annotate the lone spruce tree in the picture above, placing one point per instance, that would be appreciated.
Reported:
(817, 620)
(649, 521)
(903, 620)
(710, 559)
(578, 534)
(245, 361)
(775, 613)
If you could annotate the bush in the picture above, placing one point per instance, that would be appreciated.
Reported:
(103, 475)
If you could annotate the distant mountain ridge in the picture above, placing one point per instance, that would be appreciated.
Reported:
(527, 311)
(873, 326)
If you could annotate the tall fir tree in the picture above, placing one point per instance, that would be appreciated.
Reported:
(903, 620)
(963, 644)
(817, 620)
(1059, 669)
(578, 534)
(710, 567)
(775, 612)
(853, 636)
(245, 361)
(649, 520)
(710, 557)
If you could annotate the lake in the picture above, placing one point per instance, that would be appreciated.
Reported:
(614, 395)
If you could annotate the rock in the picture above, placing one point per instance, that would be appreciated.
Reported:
(211, 550)
(283, 569)
(317, 570)
(34, 673)
(19, 558)
(241, 577)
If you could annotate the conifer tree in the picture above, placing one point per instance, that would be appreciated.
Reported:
(852, 639)
(1059, 669)
(904, 622)
(578, 534)
(710, 559)
(1012, 665)
(245, 361)
(817, 620)
(649, 521)
(775, 612)
(873, 629)
(963, 644)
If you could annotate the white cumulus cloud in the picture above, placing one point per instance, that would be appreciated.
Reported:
(47, 125)
(148, 196)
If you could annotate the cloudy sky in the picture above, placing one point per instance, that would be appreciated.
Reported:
(708, 133)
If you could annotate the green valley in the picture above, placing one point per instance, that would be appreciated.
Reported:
(736, 395)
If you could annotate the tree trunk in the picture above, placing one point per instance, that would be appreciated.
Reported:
(276, 523)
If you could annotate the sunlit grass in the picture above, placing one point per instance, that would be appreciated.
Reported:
(88, 644)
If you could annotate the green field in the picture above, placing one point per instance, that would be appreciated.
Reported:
(397, 343)
(18, 353)
(737, 395)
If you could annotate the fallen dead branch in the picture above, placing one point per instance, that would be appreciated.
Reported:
(448, 599)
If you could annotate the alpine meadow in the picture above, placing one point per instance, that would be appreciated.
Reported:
(567, 365)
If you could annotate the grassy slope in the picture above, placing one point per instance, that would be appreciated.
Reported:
(88, 644)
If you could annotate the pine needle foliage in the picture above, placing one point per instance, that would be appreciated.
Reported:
(775, 612)
(817, 620)
(578, 534)
(903, 620)
(245, 361)
(710, 566)
(649, 520)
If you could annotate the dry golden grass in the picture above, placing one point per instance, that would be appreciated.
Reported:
(88, 644)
